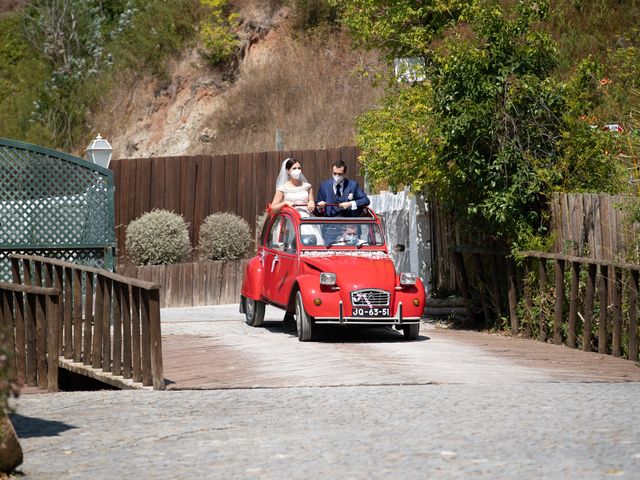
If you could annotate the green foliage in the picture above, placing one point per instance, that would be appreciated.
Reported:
(217, 31)
(158, 237)
(224, 236)
(491, 132)
(60, 59)
(400, 28)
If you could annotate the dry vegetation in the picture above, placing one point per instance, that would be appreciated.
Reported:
(311, 89)
(10, 5)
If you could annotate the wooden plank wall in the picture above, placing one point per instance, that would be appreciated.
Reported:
(595, 226)
(193, 284)
(196, 186)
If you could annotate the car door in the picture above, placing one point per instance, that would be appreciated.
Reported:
(280, 260)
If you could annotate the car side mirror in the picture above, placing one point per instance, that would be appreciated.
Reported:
(399, 247)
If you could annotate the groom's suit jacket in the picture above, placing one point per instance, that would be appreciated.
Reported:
(351, 191)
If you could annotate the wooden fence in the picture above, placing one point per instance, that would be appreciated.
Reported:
(27, 315)
(96, 320)
(579, 302)
(197, 186)
(193, 284)
(594, 225)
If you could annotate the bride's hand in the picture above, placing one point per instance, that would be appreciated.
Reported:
(311, 206)
(289, 202)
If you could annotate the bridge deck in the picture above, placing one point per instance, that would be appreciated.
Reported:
(226, 353)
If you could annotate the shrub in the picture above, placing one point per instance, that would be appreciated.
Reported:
(224, 236)
(157, 238)
(260, 219)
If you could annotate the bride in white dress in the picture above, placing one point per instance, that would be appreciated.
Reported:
(292, 189)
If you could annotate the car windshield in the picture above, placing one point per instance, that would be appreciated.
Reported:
(342, 234)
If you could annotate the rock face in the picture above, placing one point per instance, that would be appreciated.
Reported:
(10, 450)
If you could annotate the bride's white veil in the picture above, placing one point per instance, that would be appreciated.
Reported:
(283, 176)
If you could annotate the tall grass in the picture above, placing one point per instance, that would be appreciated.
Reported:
(312, 88)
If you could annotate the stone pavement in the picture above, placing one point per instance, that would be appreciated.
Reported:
(355, 405)
(510, 431)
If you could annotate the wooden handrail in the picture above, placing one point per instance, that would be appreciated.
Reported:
(105, 273)
(15, 287)
(583, 260)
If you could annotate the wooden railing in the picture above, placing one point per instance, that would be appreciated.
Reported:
(598, 313)
(616, 287)
(104, 321)
(27, 315)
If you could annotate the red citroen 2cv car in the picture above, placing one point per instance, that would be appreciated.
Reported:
(329, 270)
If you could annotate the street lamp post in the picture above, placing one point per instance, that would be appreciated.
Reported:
(99, 152)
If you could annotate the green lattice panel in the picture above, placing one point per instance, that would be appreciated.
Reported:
(51, 200)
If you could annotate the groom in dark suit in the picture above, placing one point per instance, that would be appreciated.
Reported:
(348, 196)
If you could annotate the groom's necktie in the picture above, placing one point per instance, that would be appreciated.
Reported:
(338, 193)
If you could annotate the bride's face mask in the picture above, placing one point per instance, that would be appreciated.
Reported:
(295, 172)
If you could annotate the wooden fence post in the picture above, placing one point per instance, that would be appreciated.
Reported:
(558, 268)
(616, 337)
(633, 316)
(542, 275)
(588, 307)
(156, 339)
(602, 319)
(573, 304)
(464, 286)
(513, 300)
(53, 340)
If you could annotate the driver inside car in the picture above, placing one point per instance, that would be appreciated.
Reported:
(349, 237)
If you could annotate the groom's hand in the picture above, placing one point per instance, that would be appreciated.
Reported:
(321, 205)
(345, 205)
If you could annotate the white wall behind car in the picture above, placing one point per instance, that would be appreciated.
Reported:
(407, 222)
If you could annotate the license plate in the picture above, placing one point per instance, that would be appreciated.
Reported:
(370, 312)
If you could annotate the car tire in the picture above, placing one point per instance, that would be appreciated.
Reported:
(411, 331)
(304, 322)
(253, 312)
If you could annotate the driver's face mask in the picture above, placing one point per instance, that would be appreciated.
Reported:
(350, 239)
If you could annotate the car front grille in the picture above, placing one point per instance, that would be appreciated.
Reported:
(370, 298)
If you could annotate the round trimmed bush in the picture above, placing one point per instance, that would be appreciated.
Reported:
(158, 237)
(260, 219)
(224, 236)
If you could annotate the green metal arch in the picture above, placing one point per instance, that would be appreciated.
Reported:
(4, 142)
(54, 204)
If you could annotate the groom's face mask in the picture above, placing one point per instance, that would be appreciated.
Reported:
(338, 178)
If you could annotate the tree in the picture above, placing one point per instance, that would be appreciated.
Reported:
(489, 130)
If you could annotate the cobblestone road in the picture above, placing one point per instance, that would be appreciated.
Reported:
(563, 431)
(491, 417)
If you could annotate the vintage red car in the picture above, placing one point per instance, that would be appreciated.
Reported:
(329, 270)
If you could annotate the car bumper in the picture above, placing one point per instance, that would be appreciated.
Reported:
(399, 319)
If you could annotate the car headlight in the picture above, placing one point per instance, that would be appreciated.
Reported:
(407, 278)
(327, 279)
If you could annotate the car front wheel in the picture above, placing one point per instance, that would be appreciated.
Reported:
(304, 322)
(253, 312)
(411, 331)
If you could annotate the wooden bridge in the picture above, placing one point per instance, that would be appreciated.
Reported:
(106, 326)
(86, 320)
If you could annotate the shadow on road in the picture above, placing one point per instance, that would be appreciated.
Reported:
(344, 333)
(29, 427)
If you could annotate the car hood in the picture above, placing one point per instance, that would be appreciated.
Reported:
(356, 272)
